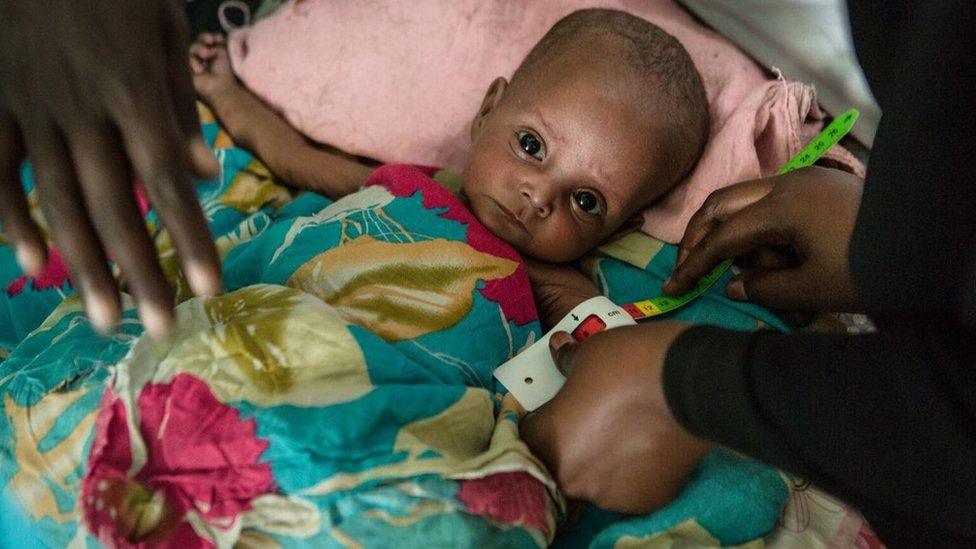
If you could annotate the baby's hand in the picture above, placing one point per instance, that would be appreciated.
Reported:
(558, 289)
(216, 85)
(213, 77)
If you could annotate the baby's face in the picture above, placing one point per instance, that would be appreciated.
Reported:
(557, 167)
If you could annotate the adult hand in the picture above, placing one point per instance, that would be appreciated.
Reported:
(96, 92)
(796, 228)
(608, 436)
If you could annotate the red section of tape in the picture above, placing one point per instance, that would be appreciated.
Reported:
(633, 311)
(591, 325)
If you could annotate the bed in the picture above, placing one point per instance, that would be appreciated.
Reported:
(402, 434)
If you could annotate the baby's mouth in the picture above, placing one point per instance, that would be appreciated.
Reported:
(510, 216)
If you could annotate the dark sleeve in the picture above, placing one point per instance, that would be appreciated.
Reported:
(886, 421)
(914, 246)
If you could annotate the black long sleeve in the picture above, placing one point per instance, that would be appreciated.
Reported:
(886, 421)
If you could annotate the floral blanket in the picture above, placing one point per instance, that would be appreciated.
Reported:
(339, 393)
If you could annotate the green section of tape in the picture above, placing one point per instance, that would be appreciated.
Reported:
(826, 139)
(666, 304)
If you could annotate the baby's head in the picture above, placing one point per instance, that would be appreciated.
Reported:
(605, 114)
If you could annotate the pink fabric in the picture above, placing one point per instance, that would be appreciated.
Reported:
(509, 498)
(55, 275)
(401, 81)
(202, 457)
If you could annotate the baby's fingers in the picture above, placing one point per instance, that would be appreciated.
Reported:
(786, 289)
(211, 39)
(197, 65)
(202, 52)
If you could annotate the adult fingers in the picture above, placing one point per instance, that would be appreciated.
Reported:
(156, 150)
(742, 232)
(785, 289)
(63, 208)
(176, 34)
(776, 270)
(768, 257)
(563, 349)
(107, 185)
(717, 207)
(15, 217)
(801, 319)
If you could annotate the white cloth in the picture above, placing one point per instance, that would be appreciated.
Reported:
(808, 40)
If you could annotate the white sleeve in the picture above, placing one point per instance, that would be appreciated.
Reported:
(808, 40)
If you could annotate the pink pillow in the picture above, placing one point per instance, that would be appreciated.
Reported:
(400, 82)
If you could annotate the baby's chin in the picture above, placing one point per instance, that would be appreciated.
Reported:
(547, 252)
(490, 219)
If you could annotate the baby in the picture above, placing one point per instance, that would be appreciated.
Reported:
(604, 115)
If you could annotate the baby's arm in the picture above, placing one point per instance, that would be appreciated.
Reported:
(257, 128)
(557, 289)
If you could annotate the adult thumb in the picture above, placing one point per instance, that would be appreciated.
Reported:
(563, 348)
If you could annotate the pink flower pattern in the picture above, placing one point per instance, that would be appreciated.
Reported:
(201, 457)
(509, 498)
(54, 276)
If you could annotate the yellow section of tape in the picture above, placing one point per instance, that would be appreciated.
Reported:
(648, 308)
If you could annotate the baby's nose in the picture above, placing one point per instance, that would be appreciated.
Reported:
(538, 202)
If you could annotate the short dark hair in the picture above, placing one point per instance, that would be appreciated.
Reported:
(655, 56)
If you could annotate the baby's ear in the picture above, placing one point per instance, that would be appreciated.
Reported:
(488, 104)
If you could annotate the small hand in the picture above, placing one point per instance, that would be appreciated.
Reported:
(203, 51)
(216, 84)
(796, 228)
(96, 92)
(557, 289)
(210, 63)
(608, 436)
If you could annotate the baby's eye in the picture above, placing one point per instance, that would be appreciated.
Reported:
(530, 144)
(588, 202)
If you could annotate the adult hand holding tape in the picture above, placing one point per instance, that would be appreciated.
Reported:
(797, 225)
(612, 411)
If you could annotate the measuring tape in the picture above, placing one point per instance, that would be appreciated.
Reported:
(807, 156)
